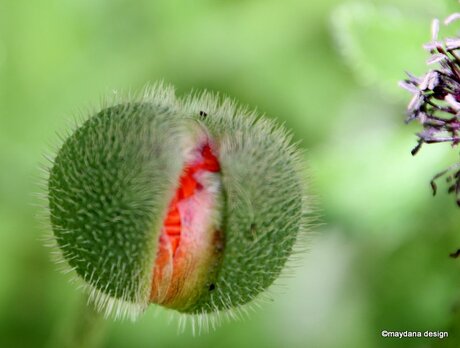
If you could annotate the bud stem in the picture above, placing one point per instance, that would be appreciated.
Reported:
(86, 328)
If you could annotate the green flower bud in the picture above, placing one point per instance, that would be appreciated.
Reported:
(191, 204)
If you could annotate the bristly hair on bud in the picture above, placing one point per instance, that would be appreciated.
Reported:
(193, 204)
(436, 100)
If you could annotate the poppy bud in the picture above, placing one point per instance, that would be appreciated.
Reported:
(191, 204)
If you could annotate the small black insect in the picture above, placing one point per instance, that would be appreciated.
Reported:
(212, 286)
(203, 114)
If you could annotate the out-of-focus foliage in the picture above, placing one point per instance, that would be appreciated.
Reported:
(327, 69)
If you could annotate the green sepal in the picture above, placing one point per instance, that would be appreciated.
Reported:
(264, 208)
(108, 191)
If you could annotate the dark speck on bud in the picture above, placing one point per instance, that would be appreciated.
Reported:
(436, 100)
(455, 254)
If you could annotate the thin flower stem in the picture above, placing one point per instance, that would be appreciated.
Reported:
(86, 329)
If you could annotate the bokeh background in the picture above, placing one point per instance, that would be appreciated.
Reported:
(328, 70)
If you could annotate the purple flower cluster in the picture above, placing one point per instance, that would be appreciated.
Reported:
(436, 100)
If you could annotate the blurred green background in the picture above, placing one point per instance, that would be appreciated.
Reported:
(327, 69)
